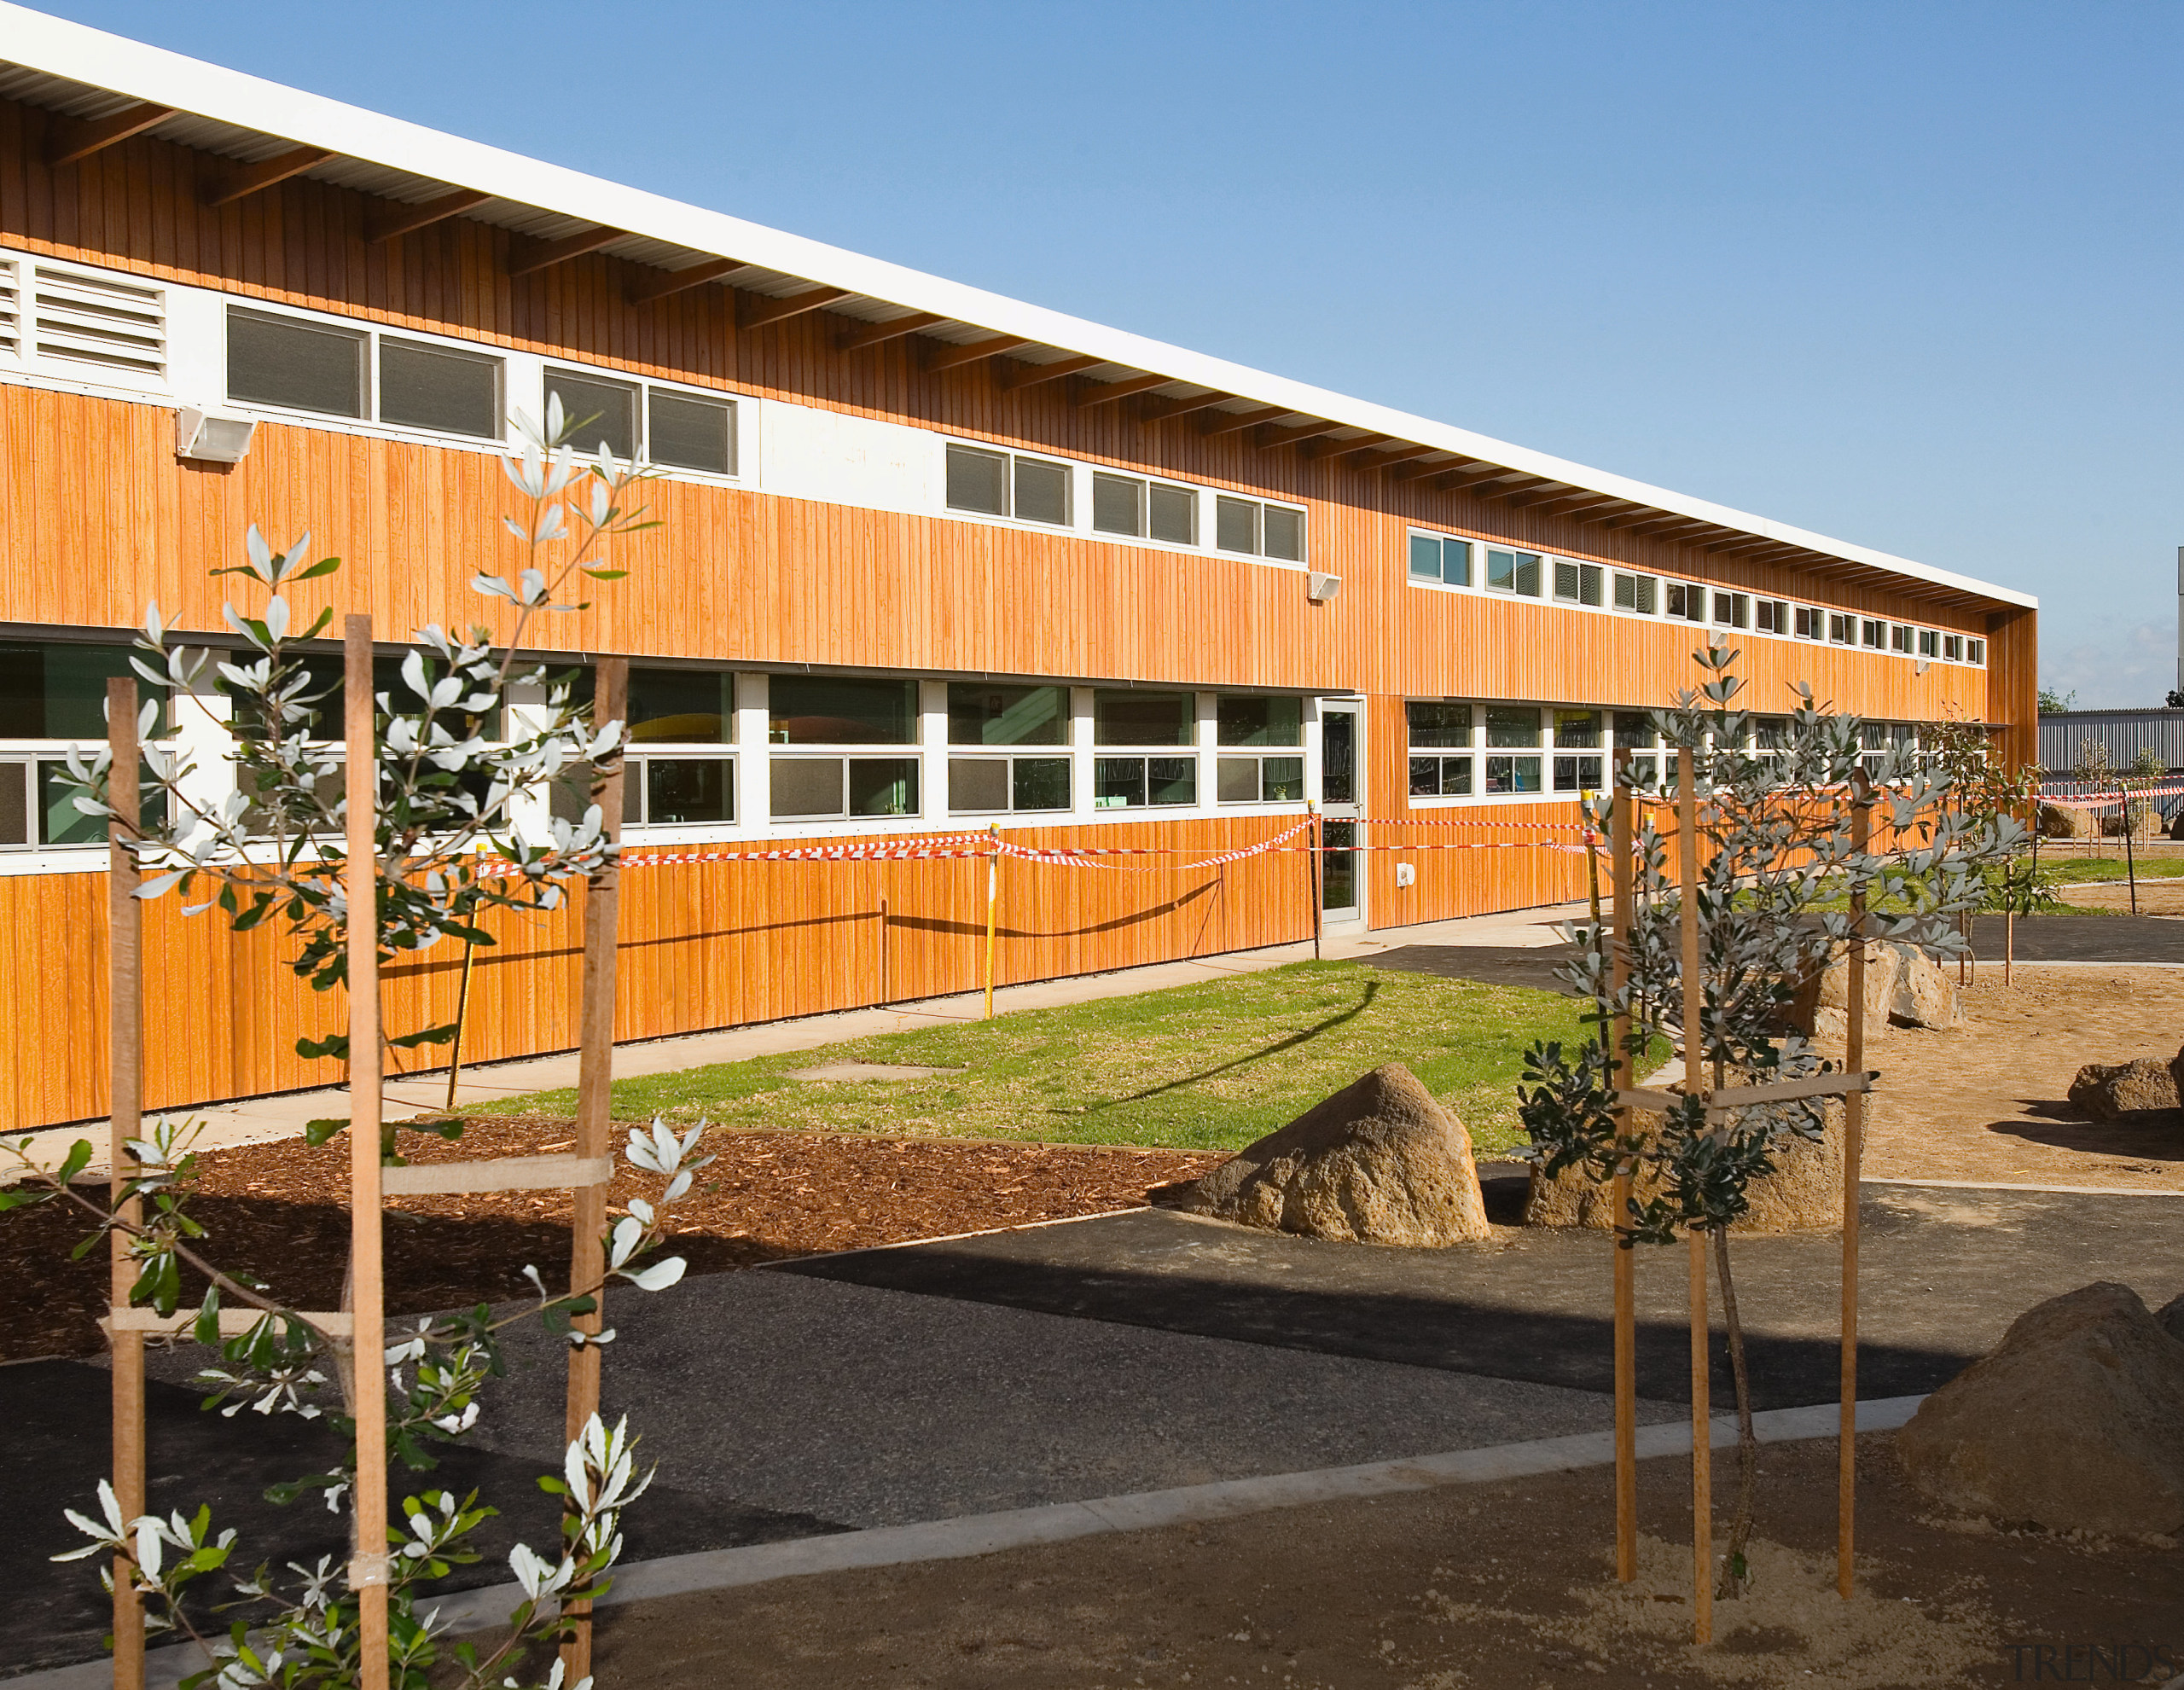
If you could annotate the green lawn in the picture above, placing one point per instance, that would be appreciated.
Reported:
(2067, 866)
(1209, 1066)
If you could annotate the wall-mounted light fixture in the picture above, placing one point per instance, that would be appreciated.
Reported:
(1319, 587)
(211, 437)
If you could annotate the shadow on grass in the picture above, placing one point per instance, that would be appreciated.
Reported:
(1363, 1003)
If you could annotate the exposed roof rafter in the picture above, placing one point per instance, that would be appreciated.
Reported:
(756, 311)
(1021, 374)
(245, 180)
(72, 140)
(396, 219)
(646, 290)
(1107, 392)
(528, 257)
(1389, 459)
(1160, 410)
(878, 333)
(948, 357)
(1229, 421)
(1270, 437)
(1415, 469)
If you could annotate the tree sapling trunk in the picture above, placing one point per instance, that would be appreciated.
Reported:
(1736, 1573)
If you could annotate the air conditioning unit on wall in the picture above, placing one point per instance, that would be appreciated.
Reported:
(1319, 589)
(211, 437)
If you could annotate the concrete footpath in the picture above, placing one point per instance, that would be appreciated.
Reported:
(261, 1120)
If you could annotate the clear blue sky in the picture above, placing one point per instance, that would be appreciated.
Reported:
(1906, 275)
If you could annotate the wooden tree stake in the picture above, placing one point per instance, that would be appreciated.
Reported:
(595, 1103)
(1311, 890)
(368, 1566)
(993, 907)
(125, 1030)
(1622, 839)
(461, 1010)
(1694, 1000)
(1316, 858)
(1854, 1123)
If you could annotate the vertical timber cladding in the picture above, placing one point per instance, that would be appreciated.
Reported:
(118, 520)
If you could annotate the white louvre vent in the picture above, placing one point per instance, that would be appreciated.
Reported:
(99, 323)
(11, 310)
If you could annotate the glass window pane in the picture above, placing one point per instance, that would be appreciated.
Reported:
(1236, 525)
(1425, 558)
(1237, 780)
(681, 706)
(1285, 533)
(423, 387)
(1433, 723)
(633, 793)
(980, 714)
(1118, 504)
(977, 481)
(1565, 579)
(825, 710)
(1135, 718)
(1040, 783)
(1282, 780)
(1246, 721)
(1501, 569)
(1577, 727)
(1455, 562)
(606, 409)
(54, 691)
(1425, 777)
(62, 823)
(1528, 574)
(1576, 774)
(14, 804)
(1172, 780)
(977, 783)
(1589, 584)
(1041, 492)
(1117, 782)
(690, 789)
(688, 433)
(1456, 777)
(1648, 592)
(308, 366)
(883, 785)
(1633, 729)
(1512, 725)
(805, 786)
(1173, 514)
(1512, 774)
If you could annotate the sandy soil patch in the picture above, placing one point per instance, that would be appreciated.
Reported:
(1502, 1585)
(1985, 1100)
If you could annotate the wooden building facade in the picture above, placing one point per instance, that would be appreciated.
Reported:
(1108, 592)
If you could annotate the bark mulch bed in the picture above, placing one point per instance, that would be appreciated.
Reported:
(279, 1211)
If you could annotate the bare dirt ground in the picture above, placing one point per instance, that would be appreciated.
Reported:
(1446, 1590)
(2164, 896)
(1985, 1102)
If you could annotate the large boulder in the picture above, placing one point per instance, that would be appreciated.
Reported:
(2075, 1422)
(2170, 1318)
(1381, 1162)
(2109, 1090)
(1804, 1192)
(1903, 984)
(2062, 821)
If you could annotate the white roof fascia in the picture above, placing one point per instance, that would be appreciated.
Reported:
(81, 54)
